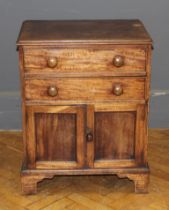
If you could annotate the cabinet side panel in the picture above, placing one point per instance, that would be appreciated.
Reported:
(56, 136)
(114, 135)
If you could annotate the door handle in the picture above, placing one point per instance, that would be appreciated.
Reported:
(89, 135)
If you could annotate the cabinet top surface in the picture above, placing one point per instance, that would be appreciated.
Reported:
(34, 32)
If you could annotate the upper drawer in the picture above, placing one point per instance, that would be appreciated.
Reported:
(85, 89)
(106, 59)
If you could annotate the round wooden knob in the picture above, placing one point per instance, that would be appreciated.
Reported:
(118, 61)
(118, 90)
(52, 62)
(52, 91)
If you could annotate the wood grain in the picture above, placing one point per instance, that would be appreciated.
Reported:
(30, 139)
(114, 135)
(128, 120)
(141, 143)
(82, 31)
(85, 89)
(141, 181)
(63, 149)
(85, 60)
(52, 143)
(90, 129)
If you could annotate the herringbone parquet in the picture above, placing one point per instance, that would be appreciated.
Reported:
(84, 192)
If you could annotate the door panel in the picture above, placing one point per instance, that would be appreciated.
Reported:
(114, 135)
(119, 135)
(57, 138)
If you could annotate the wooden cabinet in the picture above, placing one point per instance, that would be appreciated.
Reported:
(85, 99)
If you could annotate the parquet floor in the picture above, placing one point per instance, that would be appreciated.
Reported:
(84, 192)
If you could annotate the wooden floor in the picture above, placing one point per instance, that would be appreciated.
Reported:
(84, 192)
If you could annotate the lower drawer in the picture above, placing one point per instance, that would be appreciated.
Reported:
(94, 89)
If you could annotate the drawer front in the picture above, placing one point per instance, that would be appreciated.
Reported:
(84, 89)
(113, 59)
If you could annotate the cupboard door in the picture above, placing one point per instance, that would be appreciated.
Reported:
(55, 137)
(119, 135)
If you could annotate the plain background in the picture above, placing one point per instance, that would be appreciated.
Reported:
(153, 13)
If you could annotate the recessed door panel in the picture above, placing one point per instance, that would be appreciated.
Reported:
(114, 135)
(56, 136)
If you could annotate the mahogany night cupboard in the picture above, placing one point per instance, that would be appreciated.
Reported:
(85, 99)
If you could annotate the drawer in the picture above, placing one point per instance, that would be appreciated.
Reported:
(111, 59)
(85, 89)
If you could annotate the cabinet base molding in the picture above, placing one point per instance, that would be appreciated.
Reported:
(30, 177)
